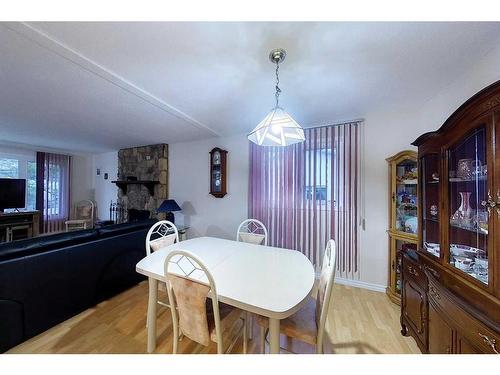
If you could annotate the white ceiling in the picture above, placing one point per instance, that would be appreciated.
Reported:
(93, 87)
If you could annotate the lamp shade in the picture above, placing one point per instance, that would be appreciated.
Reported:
(169, 205)
(277, 129)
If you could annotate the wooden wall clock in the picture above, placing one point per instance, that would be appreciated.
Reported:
(218, 172)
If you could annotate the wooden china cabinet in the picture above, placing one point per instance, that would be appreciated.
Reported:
(450, 300)
(402, 215)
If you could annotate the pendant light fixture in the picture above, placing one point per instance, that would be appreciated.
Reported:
(278, 128)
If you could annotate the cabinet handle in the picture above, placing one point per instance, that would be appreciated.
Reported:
(490, 203)
(434, 293)
(497, 203)
(491, 342)
(433, 271)
(412, 271)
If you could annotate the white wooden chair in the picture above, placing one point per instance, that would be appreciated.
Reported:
(161, 234)
(308, 324)
(83, 216)
(252, 231)
(192, 314)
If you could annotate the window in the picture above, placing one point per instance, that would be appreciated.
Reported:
(31, 186)
(9, 168)
(310, 192)
(55, 179)
(53, 191)
(21, 166)
(319, 181)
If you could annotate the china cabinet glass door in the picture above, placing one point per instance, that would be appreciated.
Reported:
(405, 197)
(468, 197)
(430, 169)
(399, 246)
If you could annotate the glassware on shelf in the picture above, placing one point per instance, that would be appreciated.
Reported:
(406, 196)
(430, 171)
(470, 260)
(468, 223)
(464, 168)
(462, 216)
(432, 248)
(480, 221)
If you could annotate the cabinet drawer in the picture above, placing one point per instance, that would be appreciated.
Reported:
(478, 334)
(413, 271)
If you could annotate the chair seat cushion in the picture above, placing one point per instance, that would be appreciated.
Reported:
(229, 316)
(77, 221)
(300, 326)
(254, 238)
(162, 242)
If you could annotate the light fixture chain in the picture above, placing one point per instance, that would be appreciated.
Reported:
(278, 90)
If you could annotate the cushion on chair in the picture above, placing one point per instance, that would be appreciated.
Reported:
(196, 317)
(191, 305)
(84, 212)
(162, 242)
(300, 326)
(229, 316)
(257, 239)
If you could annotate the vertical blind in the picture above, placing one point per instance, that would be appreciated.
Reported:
(52, 190)
(310, 192)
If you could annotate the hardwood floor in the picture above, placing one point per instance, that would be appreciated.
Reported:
(360, 321)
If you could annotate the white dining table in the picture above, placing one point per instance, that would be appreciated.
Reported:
(269, 281)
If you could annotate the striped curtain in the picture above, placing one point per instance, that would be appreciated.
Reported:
(309, 192)
(52, 190)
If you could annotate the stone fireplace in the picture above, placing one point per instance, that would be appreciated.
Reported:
(146, 163)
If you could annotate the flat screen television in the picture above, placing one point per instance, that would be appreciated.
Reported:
(12, 193)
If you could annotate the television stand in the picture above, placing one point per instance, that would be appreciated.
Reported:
(19, 225)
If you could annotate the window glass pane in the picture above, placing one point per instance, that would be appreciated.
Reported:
(31, 186)
(318, 178)
(430, 204)
(468, 197)
(406, 196)
(9, 168)
(53, 191)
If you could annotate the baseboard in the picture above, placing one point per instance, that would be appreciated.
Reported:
(360, 284)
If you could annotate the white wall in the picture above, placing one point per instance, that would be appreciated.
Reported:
(189, 186)
(393, 129)
(105, 191)
(82, 184)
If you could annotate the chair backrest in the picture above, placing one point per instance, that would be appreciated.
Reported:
(325, 288)
(84, 210)
(161, 234)
(252, 231)
(190, 296)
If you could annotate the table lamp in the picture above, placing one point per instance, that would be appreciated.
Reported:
(169, 206)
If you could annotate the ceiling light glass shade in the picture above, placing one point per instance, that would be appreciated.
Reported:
(277, 129)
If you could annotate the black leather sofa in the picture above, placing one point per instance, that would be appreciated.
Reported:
(48, 279)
